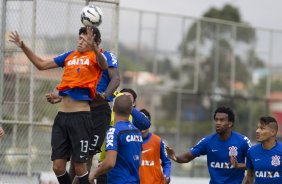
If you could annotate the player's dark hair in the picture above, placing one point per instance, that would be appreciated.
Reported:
(268, 120)
(146, 113)
(131, 91)
(123, 105)
(96, 31)
(225, 110)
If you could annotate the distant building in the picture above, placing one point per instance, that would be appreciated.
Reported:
(140, 78)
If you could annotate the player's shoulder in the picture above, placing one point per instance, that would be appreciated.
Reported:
(255, 148)
(156, 137)
(207, 139)
(109, 54)
(279, 145)
(239, 136)
(111, 59)
(118, 126)
(124, 125)
(210, 136)
(69, 52)
(66, 54)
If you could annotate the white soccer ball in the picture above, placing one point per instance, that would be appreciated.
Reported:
(91, 15)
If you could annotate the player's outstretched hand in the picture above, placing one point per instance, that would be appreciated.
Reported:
(99, 97)
(53, 98)
(89, 38)
(16, 39)
(2, 133)
(170, 153)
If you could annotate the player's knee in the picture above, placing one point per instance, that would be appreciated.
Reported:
(80, 168)
(58, 169)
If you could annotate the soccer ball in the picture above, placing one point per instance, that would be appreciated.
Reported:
(91, 15)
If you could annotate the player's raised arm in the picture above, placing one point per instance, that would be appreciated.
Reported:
(92, 41)
(38, 62)
(140, 120)
(114, 82)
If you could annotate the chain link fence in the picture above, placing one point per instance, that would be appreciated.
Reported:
(181, 67)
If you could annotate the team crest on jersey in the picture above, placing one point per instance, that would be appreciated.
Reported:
(275, 160)
(233, 151)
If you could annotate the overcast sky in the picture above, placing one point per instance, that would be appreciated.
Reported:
(260, 13)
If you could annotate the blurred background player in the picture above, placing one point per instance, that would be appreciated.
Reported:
(123, 147)
(264, 159)
(2, 132)
(136, 117)
(219, 147)
(70, 132)
(155, 164)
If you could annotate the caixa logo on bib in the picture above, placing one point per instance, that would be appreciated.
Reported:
(275, 160)
(233, 150)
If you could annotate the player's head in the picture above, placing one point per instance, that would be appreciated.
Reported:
(122, 106)
(148, 115)
(224, 119)
(131, 93)
(267, 128)
(82, 45)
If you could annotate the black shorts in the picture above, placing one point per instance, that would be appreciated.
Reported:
(102, 179)
(70, 136)
(101, 116)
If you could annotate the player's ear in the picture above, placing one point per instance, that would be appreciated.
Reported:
(230, 124)
(273, 132)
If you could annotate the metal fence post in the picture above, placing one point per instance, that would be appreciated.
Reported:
(31, 91)
(2, 54)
